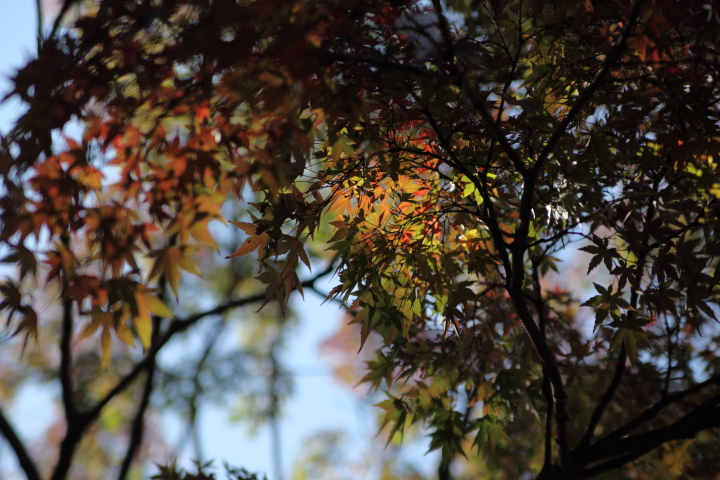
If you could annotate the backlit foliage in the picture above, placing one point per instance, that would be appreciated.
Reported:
(459, 150)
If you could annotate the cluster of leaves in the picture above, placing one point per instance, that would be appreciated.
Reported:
(102, 225)
(171, 472)
(455, 149)
(457, 179)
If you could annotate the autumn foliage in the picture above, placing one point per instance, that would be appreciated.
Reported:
(463, 154)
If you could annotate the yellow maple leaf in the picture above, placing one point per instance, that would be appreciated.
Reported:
(199, 231)
(148, 304)
(169, 261)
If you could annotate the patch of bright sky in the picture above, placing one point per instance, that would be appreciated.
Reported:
(33, 408)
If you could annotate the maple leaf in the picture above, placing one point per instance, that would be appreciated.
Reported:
(631, 336)
(24, 258)
(168, 263)
(28, 324)
(250, 245)
(148, 304)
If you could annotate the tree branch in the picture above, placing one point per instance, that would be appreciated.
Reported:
(519, 246)
(178, 325)
(634, 446)
(546, 387)
(605, 401)
(65, 347)
(137, 429)
(652, 412)
(550, 366)
(39, 18)
(274, 411)
(515, 273)
(445, 29)
(192, 428)
(136, 432)
(615, 463)
(73, 435)
(66, 361)
(471, 94)
(515, 269)
(75, 424)
(489, 219)
(515, 289)
(547, 392)
(67, 5)
(26, 463)
(622, 358)
(78, 422)
(671, 347)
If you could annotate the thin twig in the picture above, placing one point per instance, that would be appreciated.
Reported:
(193, 400)
(274, 411)
(38, 8)
(66, 361)
(622, 357)
(445, 29)
(607, 397)
(137, 428)
(671, 347)
(136, 431)
(67, 5)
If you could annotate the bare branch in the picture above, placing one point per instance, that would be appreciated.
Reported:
(192, 428)
(637, 445)
(26, 463)
(136, 432)
(67, 5)
(137, 429)
(445, 29)
(605, 401)
(66, 361)
(75, 424)
(39, 18)
(546, 387)
(179, 325)
(652, 412)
